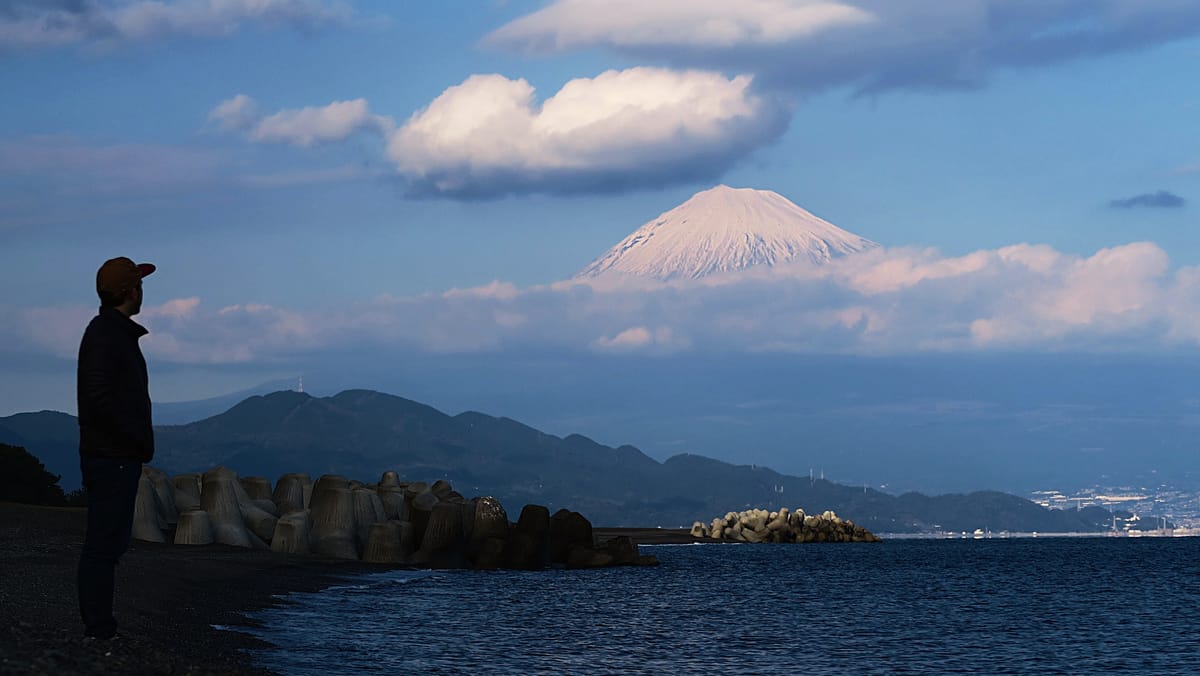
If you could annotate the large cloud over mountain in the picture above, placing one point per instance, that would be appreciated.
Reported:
(1027, 297)
(872, 45)
(643, 126)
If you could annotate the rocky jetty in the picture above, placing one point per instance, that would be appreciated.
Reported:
(759, 525)
(392, 521)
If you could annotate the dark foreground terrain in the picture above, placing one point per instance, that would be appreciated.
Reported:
(167, 599)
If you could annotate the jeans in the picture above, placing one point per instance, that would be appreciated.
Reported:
(112, 485)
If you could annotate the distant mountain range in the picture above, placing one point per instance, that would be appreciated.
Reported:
(360, 433)
(183, 412)
(726, 229)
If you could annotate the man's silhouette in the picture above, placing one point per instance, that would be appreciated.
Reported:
(115, 435)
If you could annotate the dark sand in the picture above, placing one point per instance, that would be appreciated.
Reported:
(166, 601)
(167, 598)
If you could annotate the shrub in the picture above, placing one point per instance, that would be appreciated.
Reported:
(23, 478)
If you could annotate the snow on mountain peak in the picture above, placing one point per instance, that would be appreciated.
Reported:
(726, 229)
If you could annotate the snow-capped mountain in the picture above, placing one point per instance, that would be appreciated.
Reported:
(726, 229)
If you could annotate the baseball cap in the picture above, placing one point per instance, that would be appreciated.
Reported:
(118, 275)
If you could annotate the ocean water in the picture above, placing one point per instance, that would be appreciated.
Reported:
(1015, 606)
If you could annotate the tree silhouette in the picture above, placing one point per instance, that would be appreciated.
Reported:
(23, 478)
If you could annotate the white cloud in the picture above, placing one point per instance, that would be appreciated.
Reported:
(303, 127)
(872, 45)
(497, 289)
(178, 308)
(641, 339)
(55, 331)
(238, 113)
(307, 126)
(181, 331)
(490, 136)
(575, 24)
(1117, 290)
(28, 24)
(1124, 298)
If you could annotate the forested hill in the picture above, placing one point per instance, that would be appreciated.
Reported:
(361, 433)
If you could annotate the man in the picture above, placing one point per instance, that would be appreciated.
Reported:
(115, 435)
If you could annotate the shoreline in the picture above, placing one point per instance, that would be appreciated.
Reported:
(167, 600)
(168, 597)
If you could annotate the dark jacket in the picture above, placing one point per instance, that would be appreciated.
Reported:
(114, 390)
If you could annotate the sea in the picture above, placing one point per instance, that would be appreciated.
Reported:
(993, 606)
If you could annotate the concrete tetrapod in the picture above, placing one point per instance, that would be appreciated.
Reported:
(491, 521)
(368, 510)
(289, 492)
(526, 548)
(148, 523)
(333, 530)
(392, 498)
(391, 493)
(441, 488)
(408, 542)
(411, 491)
(442, 545)
(327, 481)
(187, 492)
(257, 487)
(260, 521)
(384, 543)
(219, 498)
(194, 528)
(623, 550)
(292, 533)
(309, 484)
(567, 530)
(489, 534)
(418, 512)
(267, 506)
(467, 507)
(586, 557)
(166, 494)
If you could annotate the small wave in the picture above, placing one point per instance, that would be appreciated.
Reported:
(374, 581)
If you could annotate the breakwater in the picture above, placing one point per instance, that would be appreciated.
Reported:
(389, 521)
(760, 525)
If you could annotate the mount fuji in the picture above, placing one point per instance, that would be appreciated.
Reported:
(726, 229)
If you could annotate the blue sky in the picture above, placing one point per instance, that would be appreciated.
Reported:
(923, 125)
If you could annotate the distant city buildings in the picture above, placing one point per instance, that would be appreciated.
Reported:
(1139, 509)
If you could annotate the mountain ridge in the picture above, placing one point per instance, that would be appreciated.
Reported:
(360, 433)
